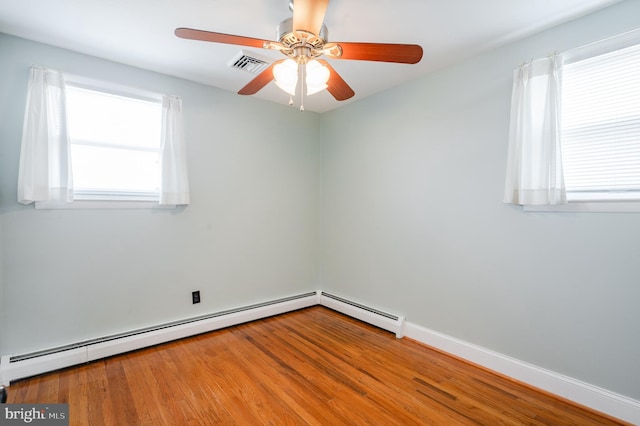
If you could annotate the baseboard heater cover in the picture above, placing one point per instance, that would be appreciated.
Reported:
(384, 320)
(34, 363)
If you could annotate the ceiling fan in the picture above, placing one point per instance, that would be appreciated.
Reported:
(303, 38)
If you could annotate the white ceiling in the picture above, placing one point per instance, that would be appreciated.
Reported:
(140, 33)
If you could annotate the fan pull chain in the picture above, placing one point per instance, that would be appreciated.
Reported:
(290, 100)
(302, 80)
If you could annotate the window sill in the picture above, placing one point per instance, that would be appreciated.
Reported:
(101, 204)
(589, 207)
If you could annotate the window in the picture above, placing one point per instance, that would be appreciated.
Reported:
(600, 129)
(584, 110)
(114, 144)
(122, 144)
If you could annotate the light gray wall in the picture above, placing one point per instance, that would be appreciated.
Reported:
(414, 222)
(249, 235)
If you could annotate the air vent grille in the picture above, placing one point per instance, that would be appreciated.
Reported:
(249, 63)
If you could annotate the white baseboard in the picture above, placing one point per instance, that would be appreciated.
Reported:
(599, 399)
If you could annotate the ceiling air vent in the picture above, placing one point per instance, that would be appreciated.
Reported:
(249, 62)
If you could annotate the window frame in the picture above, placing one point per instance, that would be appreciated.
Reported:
(601, 203)
(97, 199)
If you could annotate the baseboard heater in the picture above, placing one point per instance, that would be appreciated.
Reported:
(34, 363)
(14, 367)
(384, 320)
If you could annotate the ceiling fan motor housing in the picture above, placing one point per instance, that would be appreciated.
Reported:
(299, 41)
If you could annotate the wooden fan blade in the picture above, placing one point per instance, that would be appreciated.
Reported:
(308, 15)
(192, 34)
(260, 81)
(382, 52)
(336, 85)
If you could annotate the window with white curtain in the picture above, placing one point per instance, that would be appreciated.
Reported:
(115, 143)
(574, 142)
(600, 126)
(87, 143)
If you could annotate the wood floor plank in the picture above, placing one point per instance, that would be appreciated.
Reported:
(312, 366)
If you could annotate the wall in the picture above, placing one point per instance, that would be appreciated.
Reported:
(249, 235)
(411, 220)
(414, 222)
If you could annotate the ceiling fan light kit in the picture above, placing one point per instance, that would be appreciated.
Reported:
(285, 74)
(317, 76)
(303, 38)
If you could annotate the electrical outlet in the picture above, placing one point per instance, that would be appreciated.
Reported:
(195, 296)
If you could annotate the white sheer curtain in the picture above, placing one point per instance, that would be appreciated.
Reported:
(174, 182)
(534, 163)
(45, 161)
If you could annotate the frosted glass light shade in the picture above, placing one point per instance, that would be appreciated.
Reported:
(317, 77)
(286, 76)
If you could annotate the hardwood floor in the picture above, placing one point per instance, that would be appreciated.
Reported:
(312, 366)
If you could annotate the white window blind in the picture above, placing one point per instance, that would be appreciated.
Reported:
(601, 126)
